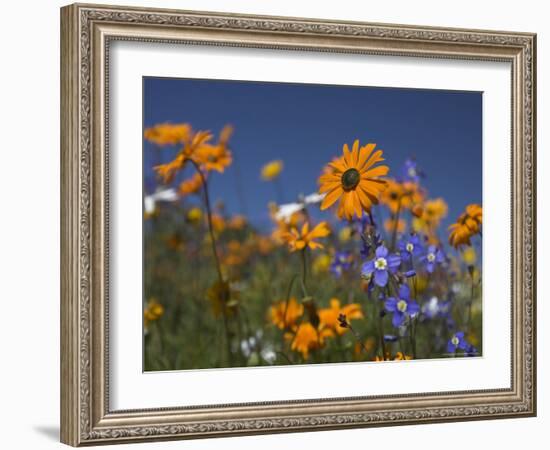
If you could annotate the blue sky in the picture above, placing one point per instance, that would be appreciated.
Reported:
(305, 125)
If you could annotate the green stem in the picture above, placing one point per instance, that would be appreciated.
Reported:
(288, 291)
(381, 336)
(413, 336)
(209, 217)
(304, 271)
(358, 338)
(469, 320)
(395, 226)
(216, 258)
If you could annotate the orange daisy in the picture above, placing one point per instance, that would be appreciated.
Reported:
(467, 225)
(329, 316)
(399, 196)
(191, 186)
(306, 238)
(354, 180)
(308, 338)
(168, 134)
(197, 148)
(216, 157)
(284, 315)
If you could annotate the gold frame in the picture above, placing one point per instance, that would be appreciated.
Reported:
(86, 31)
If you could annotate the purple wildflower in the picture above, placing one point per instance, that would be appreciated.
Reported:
(457, 341)
(382, 265)
(432, 257)
(402, 307)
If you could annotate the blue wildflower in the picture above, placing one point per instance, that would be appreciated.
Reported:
(410, 246)
(402, 307)
(340, 264)
(432, 257)
(411, 171)
(369, 242)
(361, 224)
(381, 266)
(470, 351)
(457, 341)
(390, 338)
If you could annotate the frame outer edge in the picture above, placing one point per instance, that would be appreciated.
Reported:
(79, 336)
(533, 231)
(69, 113)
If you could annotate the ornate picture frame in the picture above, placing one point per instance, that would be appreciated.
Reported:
(87, 32)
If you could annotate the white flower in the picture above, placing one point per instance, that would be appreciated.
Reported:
(314, 198)
(431, 308)
(166, 195)
(269, 355)
(285, 212)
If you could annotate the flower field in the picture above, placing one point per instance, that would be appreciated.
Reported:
(360, 270)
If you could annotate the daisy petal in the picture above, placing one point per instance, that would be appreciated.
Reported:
(357, 204)
(375, 157)
(328, 186)
(347, 155)
(379, 171)
(355, 153)
(331, 197)
(364, 153)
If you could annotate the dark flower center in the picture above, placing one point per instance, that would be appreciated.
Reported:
(350, 179)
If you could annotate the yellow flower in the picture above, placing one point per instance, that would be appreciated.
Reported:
(329, 316)
(168, 134)
(305, 238)
(434, 211)
(236, 254)
(222, 297)
(390, 225)
(169, 170)
(467, 225)
(237, 222)
(368, 346)
(430, 215)
(264, 245)
(190, 186)
(308, 338)
(194, 215)
(216, 157)
(354, 180)
(469, 256)
(284, 315)
(345, 234)
(321, 264)
(472, 338)
(197, 147)
(283, 227)
(218, 223)
(401, 196)
(391, 197)
(271, 170)
(153, 311)
(399, 356)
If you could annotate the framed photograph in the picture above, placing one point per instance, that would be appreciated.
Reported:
(275, 225)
